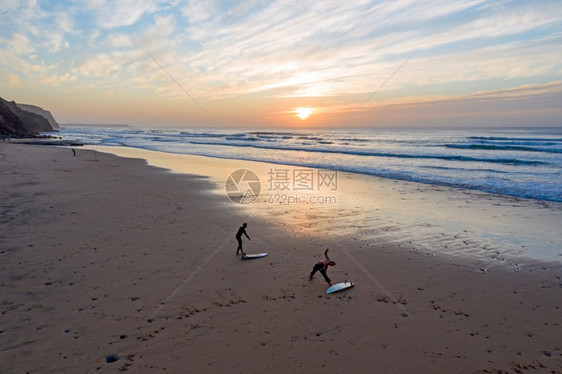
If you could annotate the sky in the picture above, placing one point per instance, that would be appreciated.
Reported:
(281, 63)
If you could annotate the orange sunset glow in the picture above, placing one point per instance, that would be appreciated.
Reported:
(193, 63)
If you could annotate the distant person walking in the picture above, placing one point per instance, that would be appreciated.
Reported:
(322, 267)
(241, 231)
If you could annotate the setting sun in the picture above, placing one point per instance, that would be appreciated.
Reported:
(303, 113)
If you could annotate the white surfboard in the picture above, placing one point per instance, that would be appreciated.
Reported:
(339, 287)
(254, 255)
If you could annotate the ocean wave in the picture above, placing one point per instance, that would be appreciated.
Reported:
(497, 186)
(519, 142)
(354, 140)
(490, 147)
(360, 152)
(530, 167)
(200, 135)
(274, 133)
(502, 138)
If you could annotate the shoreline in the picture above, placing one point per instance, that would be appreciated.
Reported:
(452, 158)
(105, 255)
(520, 231)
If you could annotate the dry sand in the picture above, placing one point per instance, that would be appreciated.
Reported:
(101, 255)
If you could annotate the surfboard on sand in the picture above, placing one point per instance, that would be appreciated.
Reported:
(339, 287)
(254, 255)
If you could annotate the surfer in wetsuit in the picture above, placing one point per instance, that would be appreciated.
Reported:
(241, 230)
(322, 267)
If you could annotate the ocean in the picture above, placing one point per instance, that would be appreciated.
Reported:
(519, 162)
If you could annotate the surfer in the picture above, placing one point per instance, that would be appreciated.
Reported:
(241, 230)
(322, 267)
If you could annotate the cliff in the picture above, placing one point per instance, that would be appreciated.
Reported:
(40, 111)
(10, 124)
(18, 123)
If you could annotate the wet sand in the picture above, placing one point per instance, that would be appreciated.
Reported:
(101, 255)
(459, 222)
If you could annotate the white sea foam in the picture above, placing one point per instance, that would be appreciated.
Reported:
(522, 162)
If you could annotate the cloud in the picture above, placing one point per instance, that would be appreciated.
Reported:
(34, 28)
(119, 41)
(19, 44)
(494, 100)
(54, 41)
(8, 5)
(282, 50)
(281, 44)
(13, 80)
(55, 80)
(528, 105)
(156, 38)
(199, 10)
(65, 21)
(100, 65)
(528, 90)
(25, 10)
(110, 14)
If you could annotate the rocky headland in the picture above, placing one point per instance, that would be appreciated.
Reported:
(24, 121)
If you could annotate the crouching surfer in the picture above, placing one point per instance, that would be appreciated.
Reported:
(322, 267)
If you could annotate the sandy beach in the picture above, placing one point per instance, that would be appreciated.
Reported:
(106, 256)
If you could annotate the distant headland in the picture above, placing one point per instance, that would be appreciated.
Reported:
(94, 125)
(24, 120)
